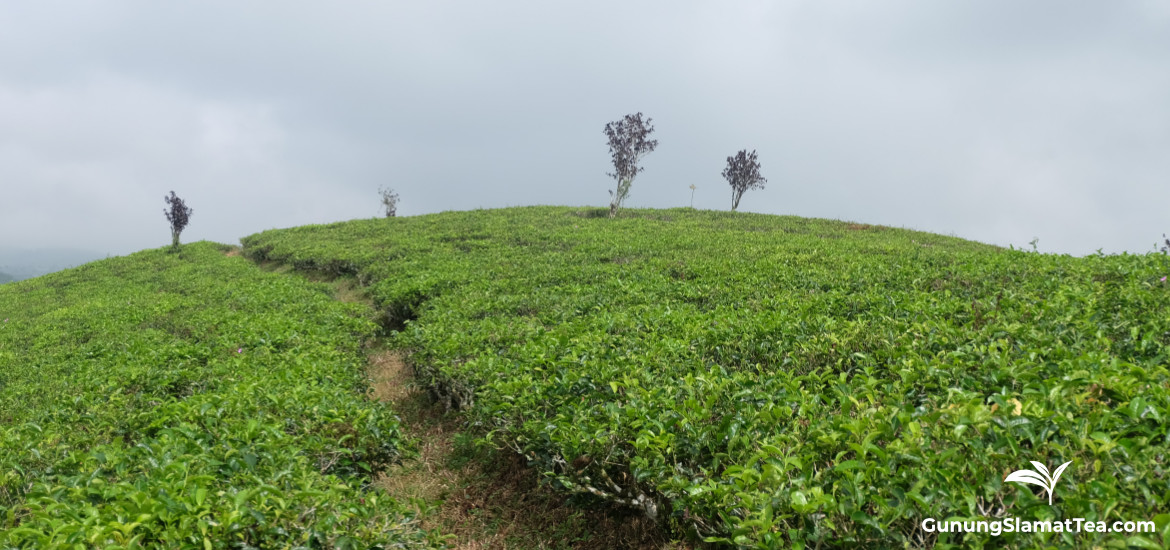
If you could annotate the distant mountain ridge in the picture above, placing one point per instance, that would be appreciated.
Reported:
(18, 264)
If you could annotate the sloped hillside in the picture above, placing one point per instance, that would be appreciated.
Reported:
(774, 381)
(190, 400)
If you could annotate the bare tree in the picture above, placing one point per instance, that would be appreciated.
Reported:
(389, 201)
(178, 215)
(743, 173)
(628, 143)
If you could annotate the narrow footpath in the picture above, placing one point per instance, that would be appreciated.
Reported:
(481, 498)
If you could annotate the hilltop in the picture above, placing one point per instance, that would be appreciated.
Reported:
(750, 380)
(767, 380)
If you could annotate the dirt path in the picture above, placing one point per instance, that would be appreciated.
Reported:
(486, 499)
(481, 498)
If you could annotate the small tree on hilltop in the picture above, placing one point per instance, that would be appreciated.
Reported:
(389, 201)
(743, 173)
(178, 215)
(629, 141)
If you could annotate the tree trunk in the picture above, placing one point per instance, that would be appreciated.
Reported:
(623, 189)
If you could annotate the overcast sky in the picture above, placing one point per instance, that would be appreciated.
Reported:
(997, 121)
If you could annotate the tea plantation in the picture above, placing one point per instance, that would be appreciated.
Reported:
(756, 380)
(190, 400)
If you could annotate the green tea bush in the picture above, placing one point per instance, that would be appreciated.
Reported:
(775, 382)
(190, 400)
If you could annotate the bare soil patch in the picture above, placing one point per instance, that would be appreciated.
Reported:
(489, 499)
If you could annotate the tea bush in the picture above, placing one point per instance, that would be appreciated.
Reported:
(190, 400)
(773, 382)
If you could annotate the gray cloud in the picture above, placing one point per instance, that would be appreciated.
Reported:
(995, 121)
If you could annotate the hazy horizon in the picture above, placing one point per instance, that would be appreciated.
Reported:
(993, 121)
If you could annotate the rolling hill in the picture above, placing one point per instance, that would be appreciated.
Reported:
(750, 380)
(189, 400)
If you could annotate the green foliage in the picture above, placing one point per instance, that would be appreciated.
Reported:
(190, 400)
(773, 381)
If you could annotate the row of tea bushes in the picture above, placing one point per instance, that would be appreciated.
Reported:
(190, 400)
(772, 382)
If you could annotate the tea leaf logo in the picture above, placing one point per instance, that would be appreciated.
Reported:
(1041, 478)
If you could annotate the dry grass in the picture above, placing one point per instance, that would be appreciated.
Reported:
(278, 267)
(348, 290)
(865, 227)
(490, 499)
